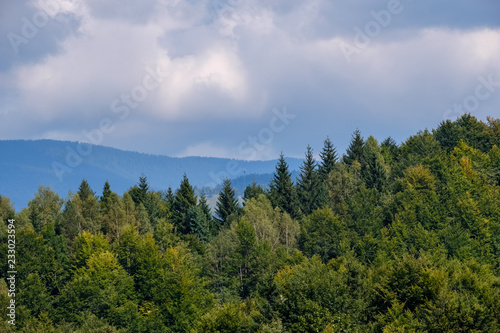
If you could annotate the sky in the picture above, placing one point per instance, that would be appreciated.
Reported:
(243, 79)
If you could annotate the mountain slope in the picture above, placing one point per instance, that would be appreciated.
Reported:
(62, 165)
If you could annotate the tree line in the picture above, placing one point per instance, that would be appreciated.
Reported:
(385, 238)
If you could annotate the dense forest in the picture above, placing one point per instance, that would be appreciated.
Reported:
(385, 238)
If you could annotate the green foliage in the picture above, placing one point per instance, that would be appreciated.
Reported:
(179, 291)
(106, 193)
(114, 218)
(165, 236)
(44, 208)
(227, 205)
(328, 159)
(417, 149)
(408, 240)
(84, 190)
(373, 170)
(199, 223)
(155, 207)
(389, 149)
(323, 234)
(271, 225)
(313, 295)
(86, 245)
(310, 189)
(102, 287)
(282, 191)
(468, 129)
(343, 183)
(6, 210)
(253, 191)
(228, 318)
(355, 150)
(184, 199)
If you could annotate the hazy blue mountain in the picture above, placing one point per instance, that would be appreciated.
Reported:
(61, 165)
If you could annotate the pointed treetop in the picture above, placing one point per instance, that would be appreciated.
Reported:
(106, 193)
(355, 150)
(227, 203)
(282, 191)
(169, 197)
(84, 190)
(186, 191)
(328, 158)
(253, 191)
(184, 199)
(143, 183)
(309, 185)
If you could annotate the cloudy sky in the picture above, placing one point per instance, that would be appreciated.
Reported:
(243, 79)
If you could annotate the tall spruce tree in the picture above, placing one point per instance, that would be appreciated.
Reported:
(143, 184)
(309, 185)
(84, 190)
(328, 159)
(199, 223)
(139, 192)
(355, 150)
(184, 199)
(169, 198)
(90, 207)
(227, 204)
(106, 193)
(282, 192)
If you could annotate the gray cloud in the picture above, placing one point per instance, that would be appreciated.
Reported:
(181, 77)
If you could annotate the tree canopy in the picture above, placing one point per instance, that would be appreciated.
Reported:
(391, 238)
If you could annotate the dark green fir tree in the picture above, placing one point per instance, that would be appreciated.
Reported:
(106, 193)
(84, 190)
(355, 150)
(282, 192)
(328, 159)
(184, 199)
(227, 205)
(309, 184)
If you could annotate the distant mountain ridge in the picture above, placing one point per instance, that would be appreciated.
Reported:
(61, 165)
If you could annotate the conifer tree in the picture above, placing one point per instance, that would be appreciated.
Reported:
(89, 206)
(328, 159)
(253, 191)
(309, 185)
(282, 191)
(114, 219)
(355, 150)
(203, 204)
(372, 166)
(139, 192)
(84, 190)
(106, 193)
(184, 199)
(389, 149)
(169, 198)
(142, 220)
(199, 223)
(143, 184)
(227, 204)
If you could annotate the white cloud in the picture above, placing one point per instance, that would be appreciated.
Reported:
(229, 67)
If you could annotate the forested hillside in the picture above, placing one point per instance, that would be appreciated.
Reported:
(385, 238)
